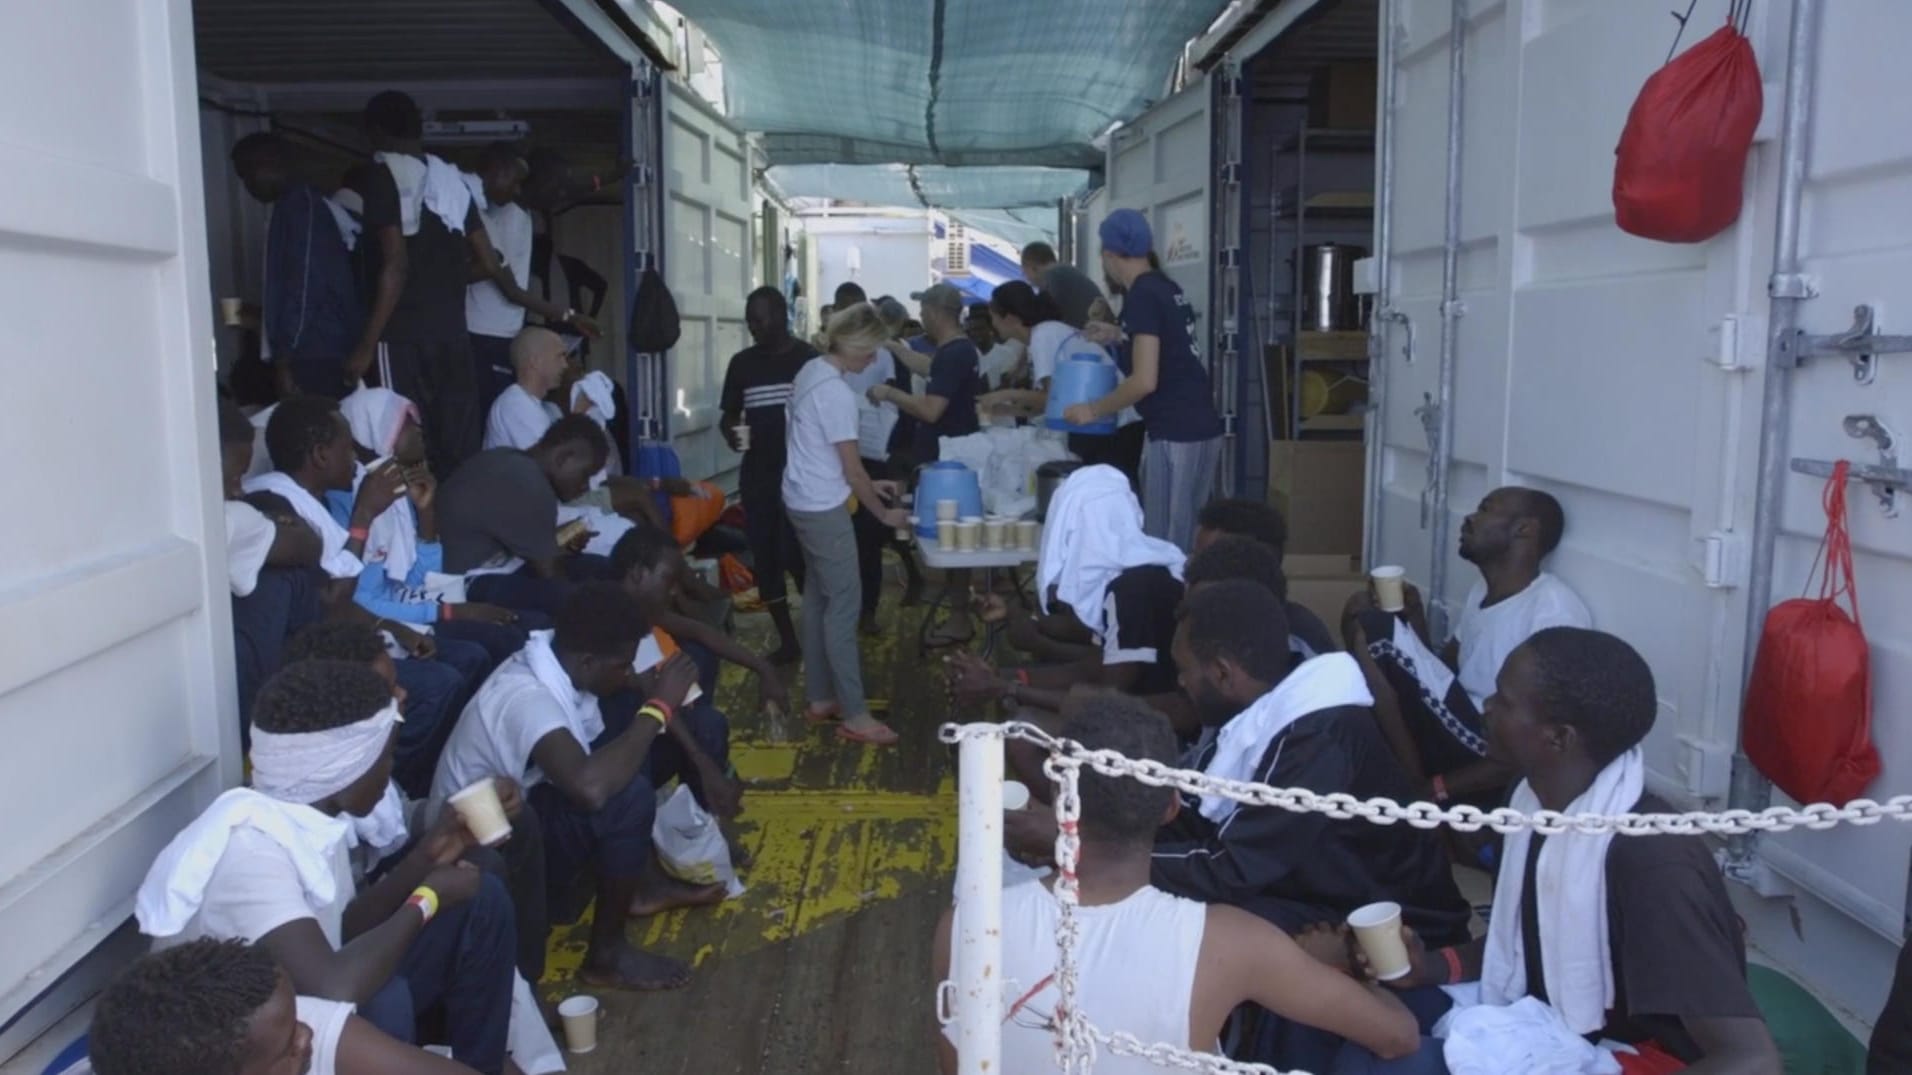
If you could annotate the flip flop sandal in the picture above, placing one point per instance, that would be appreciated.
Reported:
(814, 717)
(880, 736)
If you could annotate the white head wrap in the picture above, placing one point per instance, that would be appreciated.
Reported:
(1094, 533)
(304, 767)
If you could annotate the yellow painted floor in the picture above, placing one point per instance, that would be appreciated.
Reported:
(822, 965)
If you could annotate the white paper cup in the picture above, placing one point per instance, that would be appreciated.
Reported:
(1390, 588)
(946, 534)
(232, 311)
(742, 431)
(484, 815)
(1015, 795)
(993, 530)
(968, 534)
(946, 510)
(1028, 531)
(903, 532)
(580, 1015)
(1377, 928)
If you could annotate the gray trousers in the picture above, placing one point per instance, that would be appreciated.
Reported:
(832, 601)
(1177, 477)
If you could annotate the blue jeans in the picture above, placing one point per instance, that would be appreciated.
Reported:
(462, 960)
(436, 692)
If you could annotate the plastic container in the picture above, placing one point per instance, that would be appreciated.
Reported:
(947, 480)
(1081, 379)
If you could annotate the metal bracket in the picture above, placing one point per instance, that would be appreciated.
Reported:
(1860, 344)
(1887, 479)
(1429, 412)
(1390, 314)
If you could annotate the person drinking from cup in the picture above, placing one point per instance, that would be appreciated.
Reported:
(1429, 701)
(823, 473)
(269, 864)
(1628, 938)
(592, 775)
(1162, 967)
(756, 397)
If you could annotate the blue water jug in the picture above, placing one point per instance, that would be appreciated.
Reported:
(946, 480)
(1082, 378)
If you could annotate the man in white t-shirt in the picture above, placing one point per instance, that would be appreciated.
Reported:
(495, 307)
(1430, 701)
(225, 1008)
(270, 865)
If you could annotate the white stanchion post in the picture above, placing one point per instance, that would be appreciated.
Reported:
(977, 957)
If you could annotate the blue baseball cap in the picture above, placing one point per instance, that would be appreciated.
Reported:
(1125, 233)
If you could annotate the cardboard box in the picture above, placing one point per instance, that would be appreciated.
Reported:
(1321, 583)
(1319, 487)
(1342, 96)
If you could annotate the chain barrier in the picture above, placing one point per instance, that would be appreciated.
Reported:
(1078, 1041)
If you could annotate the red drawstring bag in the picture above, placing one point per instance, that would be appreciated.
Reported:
(1681, 164)
(1808, 720)
(1649, 1059)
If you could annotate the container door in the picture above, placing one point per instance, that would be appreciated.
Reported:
(1160, 165)
(117, 707)
(709, 267)
(1608, 370)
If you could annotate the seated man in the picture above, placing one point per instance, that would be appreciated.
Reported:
(1155, 965)
(592, 776)
(1568, 714)
(1429, 704)
(1231, 557)
(313, 457)
(498, 519)
(269, 864)
(523, 412)
(225, 1008)
(1262, 524)
(1123, 586)
(272, 565)
(650, 566)
(402, 551)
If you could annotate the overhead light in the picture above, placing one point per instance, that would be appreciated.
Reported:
(476, 131)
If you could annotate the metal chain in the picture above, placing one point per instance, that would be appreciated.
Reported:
(1075, 1047)
(1426, 815)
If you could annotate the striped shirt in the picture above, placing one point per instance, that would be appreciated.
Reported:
(757, 386)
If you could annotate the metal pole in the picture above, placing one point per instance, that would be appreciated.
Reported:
(1451, 311)
(1787, 289)
(1383, 276)
(977, 956)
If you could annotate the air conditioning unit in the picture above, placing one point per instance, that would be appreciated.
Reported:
(956, 257)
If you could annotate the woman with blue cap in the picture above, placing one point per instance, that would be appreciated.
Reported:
(1163, 379)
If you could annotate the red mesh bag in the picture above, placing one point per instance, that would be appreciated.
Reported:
(1808, 718)
(1681, 164)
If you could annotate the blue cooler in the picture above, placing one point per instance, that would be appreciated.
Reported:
(1081, 378)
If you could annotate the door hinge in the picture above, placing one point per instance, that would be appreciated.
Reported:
(1738, 341)
(1722, 560)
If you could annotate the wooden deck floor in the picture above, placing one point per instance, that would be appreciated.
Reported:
(823, 964)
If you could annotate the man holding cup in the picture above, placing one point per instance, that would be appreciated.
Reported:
(1429, 702)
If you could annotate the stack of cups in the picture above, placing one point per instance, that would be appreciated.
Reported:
(969, 532)
(993, 531)
(946, 524)
(1028, 531)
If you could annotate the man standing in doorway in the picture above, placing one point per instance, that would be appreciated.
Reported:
(496, 303)
(947, 408)
(756, 397)
(310, 304)
(1072, 292)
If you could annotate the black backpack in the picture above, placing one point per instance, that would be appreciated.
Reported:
(654, 326)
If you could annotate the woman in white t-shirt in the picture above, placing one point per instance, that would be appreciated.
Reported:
(1024, 314)
(822, 472)
(212, 1006)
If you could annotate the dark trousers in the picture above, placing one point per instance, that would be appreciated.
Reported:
(523, 863)
(1121, 450)
(283, 603)
(491, 371)
(774, 551)
(524, 592)
(437, 377)
(318, 375)
(1438, 725)
(1291, 1046)
(872, 537)
(500, 641)
(435, 694)
(463, 960)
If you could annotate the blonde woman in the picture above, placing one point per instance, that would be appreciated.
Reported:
(821, 474)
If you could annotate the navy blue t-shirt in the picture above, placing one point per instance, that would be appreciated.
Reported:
(1182, 407)
(953, 375)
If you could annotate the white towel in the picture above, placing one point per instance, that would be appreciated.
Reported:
(392, 539)
(596, 387)
(583, 715)
(429, 183)
(1572, 874)
(1094, 533)
(304, 767)
(1325, 682)
(347, 210)
(528, 1041)
(1526, 1036)
(175, 887)
(384, 830)
(335, 560)
(377, 416)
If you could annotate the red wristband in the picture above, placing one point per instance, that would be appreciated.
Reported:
(1022, 676)
(1439, 784)
(1453, 958)
(444, 612)
(359, 533)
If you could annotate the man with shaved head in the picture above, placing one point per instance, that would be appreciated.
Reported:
(523, 411)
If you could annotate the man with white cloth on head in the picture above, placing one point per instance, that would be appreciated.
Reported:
(1631, 939)
(1122, 585)
(270, 864)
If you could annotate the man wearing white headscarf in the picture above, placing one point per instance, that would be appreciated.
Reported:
(270, 865)
(1123, 585)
